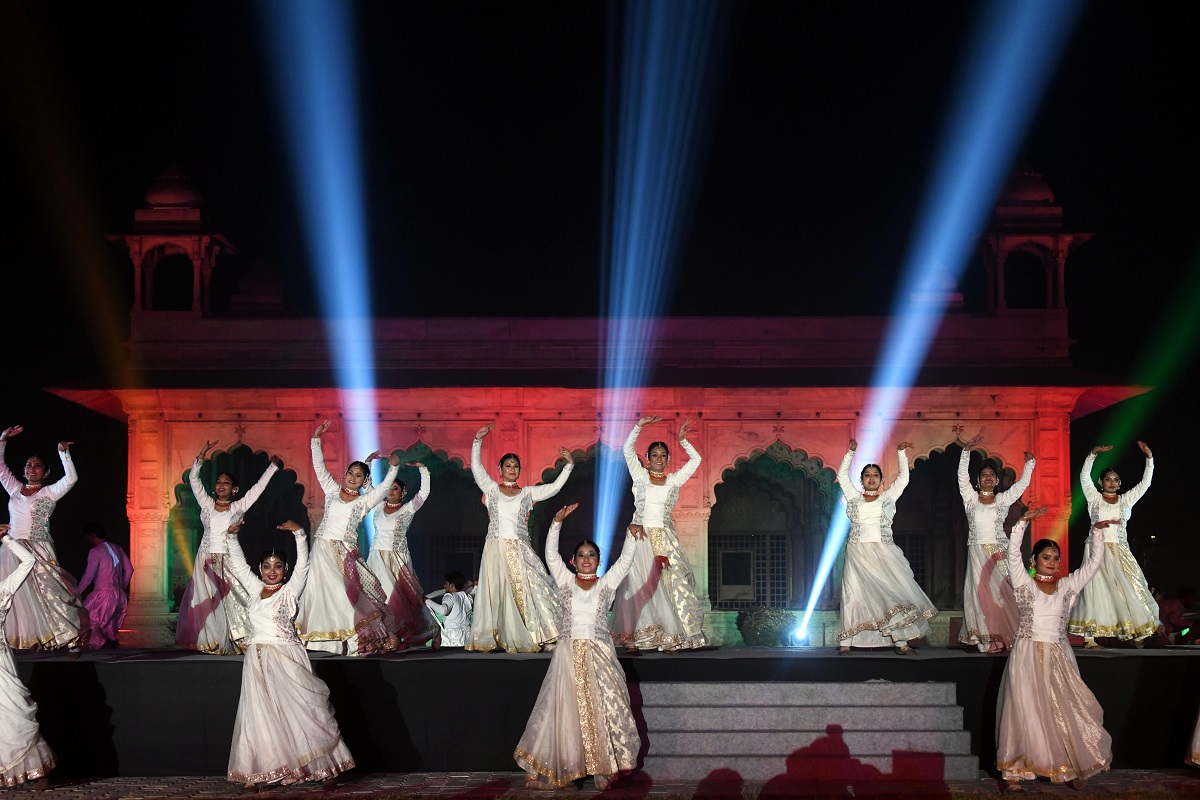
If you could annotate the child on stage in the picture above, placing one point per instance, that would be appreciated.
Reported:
(582, 724)
(285, 731)
(455, 611)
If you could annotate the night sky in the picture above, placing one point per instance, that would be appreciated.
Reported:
(483, 142)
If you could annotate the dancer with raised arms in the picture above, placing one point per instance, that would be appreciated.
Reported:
(882, 605)
(47, 612)
(1118, 602)
(989, 611)
(210, 620)
(516, 603)
(657, 607)
(345, 609)
(1048, 723)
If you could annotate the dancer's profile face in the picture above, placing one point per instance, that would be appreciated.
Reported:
(1047, 561)
(273, 570)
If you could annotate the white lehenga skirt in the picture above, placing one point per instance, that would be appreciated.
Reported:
(285, 730)
(656, 606)
(1117, 602)
(343, 601)
(24, 754)
(414, 622)
(1048, 723)
(516, 603)
(46, 612)
(881, 601)
(582, 723)
(989, 607)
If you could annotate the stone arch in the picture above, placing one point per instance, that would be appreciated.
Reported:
(448, 532)
(283, 499)
(774, 504)
(169, 278)
(1029, 277)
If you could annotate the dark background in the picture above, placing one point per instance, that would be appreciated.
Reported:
(483, 145)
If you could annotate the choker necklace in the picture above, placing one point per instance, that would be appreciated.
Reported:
(583, 577)
(654, 474)
(223, 502)
(1045, 578)
(1109, 494)
(870, 494)
(271, 588)
(982, 493)
(393, 505)
(350, 491)
(509, 484)
(34, 486)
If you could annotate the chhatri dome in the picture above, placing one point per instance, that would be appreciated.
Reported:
(1026, 187)
(173, 188)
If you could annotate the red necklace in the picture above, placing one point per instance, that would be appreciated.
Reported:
(1045, 578)
(583, 577)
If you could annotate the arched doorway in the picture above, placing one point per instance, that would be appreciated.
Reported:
(767, 528)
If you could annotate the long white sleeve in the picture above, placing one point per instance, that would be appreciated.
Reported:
(897, 488)
(689, 469)
(323, 477)
(67, 481)
(1135, 494)
(423, 492)
(7, 479)
(1085, 481)
(620, 568)
(1014, 492)
(558, 570)
(202, 497)
(242, 505)
(843, 475)
(241, 570)
(482, 479)
(299, 577)
(965, 489)
(548, 490)
(1016, 566)
(376, 495)
(1095, 556)
(636, 470)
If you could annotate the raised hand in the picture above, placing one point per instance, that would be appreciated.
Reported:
(974, 441)
(1103, 448)
(566, 454)
(416, 464)
(485, 430)
(853, 445)
(4, 529)
(290, 525)
(235, 527)
(376, 454)
(1028, 456)
(904, 445)
(637, 531)
(65, 447)
(1145, 450)
(565, 512)
(10, 432)
(277, 461)
(208, 446)
(322, 428)
(644, 421)
(683, 429)
(1034, 513)
(394, 460)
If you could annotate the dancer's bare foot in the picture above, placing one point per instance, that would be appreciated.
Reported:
(532, 782)
(1078, 784)
(1012, 787)
(905, 650)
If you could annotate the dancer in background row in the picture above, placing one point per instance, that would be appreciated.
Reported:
(455, 609)
(345, 609)
(581, 723)
(1048, 723)
(24, 754)
(882, 604)
(657, 607)
(1118, 602)
(989, 611)
(516, 604)
(110, 569)
(210, 621)
(46, 612)
(391, 561)
(285, 731)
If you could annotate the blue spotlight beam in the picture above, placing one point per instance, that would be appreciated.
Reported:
(312, 49)
(658, 105)
(1011, 55)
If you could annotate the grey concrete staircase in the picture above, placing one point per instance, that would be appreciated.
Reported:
(813, 731)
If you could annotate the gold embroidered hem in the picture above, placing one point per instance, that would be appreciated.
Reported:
(31, 775)
(901, 608)
(290, 775)
(531, 765)
(512, 559)
(587, 712)
(1021, 768)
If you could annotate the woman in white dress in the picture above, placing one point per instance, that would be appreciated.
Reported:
(24, 754)
(1048, 722)
(345, 609)
(582, 723)
(882, 605)
(210, 620)
(989, 611)
(391, 562)
(47, 612)
(1118, 602)
(657, 607)
(285, 731)
(516, 603)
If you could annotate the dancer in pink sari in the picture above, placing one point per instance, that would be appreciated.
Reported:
(109, 569)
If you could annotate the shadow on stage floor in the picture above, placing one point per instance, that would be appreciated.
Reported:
(171, 712)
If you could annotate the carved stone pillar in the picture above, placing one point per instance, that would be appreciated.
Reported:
(147, 623)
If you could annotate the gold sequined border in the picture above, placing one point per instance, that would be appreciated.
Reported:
(512, 559)
(530, 764)
(581, 661)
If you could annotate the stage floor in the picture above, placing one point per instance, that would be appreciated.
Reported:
(171, 712)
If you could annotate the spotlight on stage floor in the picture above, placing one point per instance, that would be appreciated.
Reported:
(1008, 61)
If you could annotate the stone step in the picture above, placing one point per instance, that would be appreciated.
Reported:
(802, 718)
(841, 769)
(753, 743)
(870, 693)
